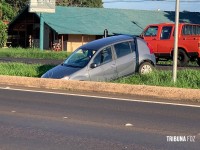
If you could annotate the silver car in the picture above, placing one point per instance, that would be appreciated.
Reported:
(106, 59)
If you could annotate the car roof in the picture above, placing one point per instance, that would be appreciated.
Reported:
(97, 44)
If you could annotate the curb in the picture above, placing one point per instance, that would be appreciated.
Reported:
(115, 88)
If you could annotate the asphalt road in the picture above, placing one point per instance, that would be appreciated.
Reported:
(49, 121)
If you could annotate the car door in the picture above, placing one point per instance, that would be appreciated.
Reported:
(166, 41)
(125, 58)
(103, 67)
(151, 36)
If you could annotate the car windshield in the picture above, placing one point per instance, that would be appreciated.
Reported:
(79, 58)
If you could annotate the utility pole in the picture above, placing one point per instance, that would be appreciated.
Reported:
(175, 55)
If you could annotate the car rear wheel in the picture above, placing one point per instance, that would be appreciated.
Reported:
(145, 68)
(183, 58)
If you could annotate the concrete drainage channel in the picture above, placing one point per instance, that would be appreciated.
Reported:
(103, 87)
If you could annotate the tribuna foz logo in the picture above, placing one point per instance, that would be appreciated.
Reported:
(180, 138)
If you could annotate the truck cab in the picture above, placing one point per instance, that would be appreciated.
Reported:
(161, 39)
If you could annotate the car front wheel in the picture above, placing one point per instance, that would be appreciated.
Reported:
(145, 67)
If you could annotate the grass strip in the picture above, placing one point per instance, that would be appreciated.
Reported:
(21, 69)
(185, 78)
(33, 53)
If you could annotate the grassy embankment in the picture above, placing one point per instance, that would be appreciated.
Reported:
(186, 78)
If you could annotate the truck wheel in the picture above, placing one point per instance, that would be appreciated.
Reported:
(145, 67)
(198, 61)
(157, 59)
(183, 58)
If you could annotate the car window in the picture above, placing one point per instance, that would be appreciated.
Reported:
(166, 32)
(104, 56)
(151, 31)
(122, 49)
(191, 30)
(133, 46)
(79, 58)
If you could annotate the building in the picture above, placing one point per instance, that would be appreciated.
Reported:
(70, 27)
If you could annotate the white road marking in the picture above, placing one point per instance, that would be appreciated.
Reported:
(101, 97)
(65, 117)
(13, 111)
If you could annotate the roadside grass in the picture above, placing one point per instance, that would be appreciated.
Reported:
(21, 69)
(170, 63)
(48, 54)
(32, 53)
(185, 78)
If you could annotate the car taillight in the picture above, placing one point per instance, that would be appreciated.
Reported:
(150, 48)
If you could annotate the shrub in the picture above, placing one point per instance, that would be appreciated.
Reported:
(3, 33)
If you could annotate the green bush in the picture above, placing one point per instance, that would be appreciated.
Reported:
(8, 12)
(3, 33)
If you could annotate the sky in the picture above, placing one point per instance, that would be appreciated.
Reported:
(162, 5)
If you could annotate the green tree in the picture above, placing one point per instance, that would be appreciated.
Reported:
(0, 10)
(7, 11)
(17, 4)
(80, 3)
(62, 2)
(11, 7)
(20, 4)
(3, 33)
(92, 3)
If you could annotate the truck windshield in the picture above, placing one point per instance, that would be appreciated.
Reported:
(79, 58)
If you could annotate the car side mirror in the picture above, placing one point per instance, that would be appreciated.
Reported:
(93, 65)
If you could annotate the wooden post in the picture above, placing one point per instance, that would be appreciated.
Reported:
(62, 42)
(82, 39)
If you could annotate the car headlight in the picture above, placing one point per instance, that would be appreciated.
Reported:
(66, 78)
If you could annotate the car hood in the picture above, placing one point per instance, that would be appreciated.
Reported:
(60, 71)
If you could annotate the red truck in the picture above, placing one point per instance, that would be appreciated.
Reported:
(161, 38)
